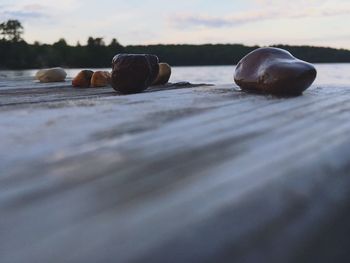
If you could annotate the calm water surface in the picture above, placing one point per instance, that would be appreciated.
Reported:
(328, 74)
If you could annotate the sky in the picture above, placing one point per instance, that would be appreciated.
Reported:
(131, 22)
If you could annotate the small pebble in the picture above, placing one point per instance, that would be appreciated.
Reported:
(100, 79)
(163, 74)
(51, 75)
(83, 79)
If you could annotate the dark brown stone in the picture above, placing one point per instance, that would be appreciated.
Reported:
(275, 71)
(133, 73)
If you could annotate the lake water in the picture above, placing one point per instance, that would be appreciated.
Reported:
(328, 75)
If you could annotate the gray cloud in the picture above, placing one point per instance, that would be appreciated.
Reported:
(26, 12)
(199, 20)
(22, 15)
(193, 20)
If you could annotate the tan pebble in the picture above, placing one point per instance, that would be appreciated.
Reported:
(163, 74)
(100, 79)
(51, 75)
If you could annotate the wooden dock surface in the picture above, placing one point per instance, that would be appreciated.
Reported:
(176, 174)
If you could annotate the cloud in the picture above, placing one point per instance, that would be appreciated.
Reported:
(28, 10)
(280, 10)
(21, 14)
(193, 20)
(24, 12)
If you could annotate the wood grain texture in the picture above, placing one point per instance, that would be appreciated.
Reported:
(176, 174)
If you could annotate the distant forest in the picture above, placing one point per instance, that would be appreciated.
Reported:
(15, 53)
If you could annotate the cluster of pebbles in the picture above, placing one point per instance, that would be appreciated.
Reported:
(264, 70)
(88, 78)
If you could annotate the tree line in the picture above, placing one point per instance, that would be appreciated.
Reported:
(15, 53)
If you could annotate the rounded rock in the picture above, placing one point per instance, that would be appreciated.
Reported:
(133, 73)
(82, 79)
(163, 74)
(100, 79)
(51, 75)
(274, 71)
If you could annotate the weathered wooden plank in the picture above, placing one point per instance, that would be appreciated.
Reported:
(200, 174)
(65, 92)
